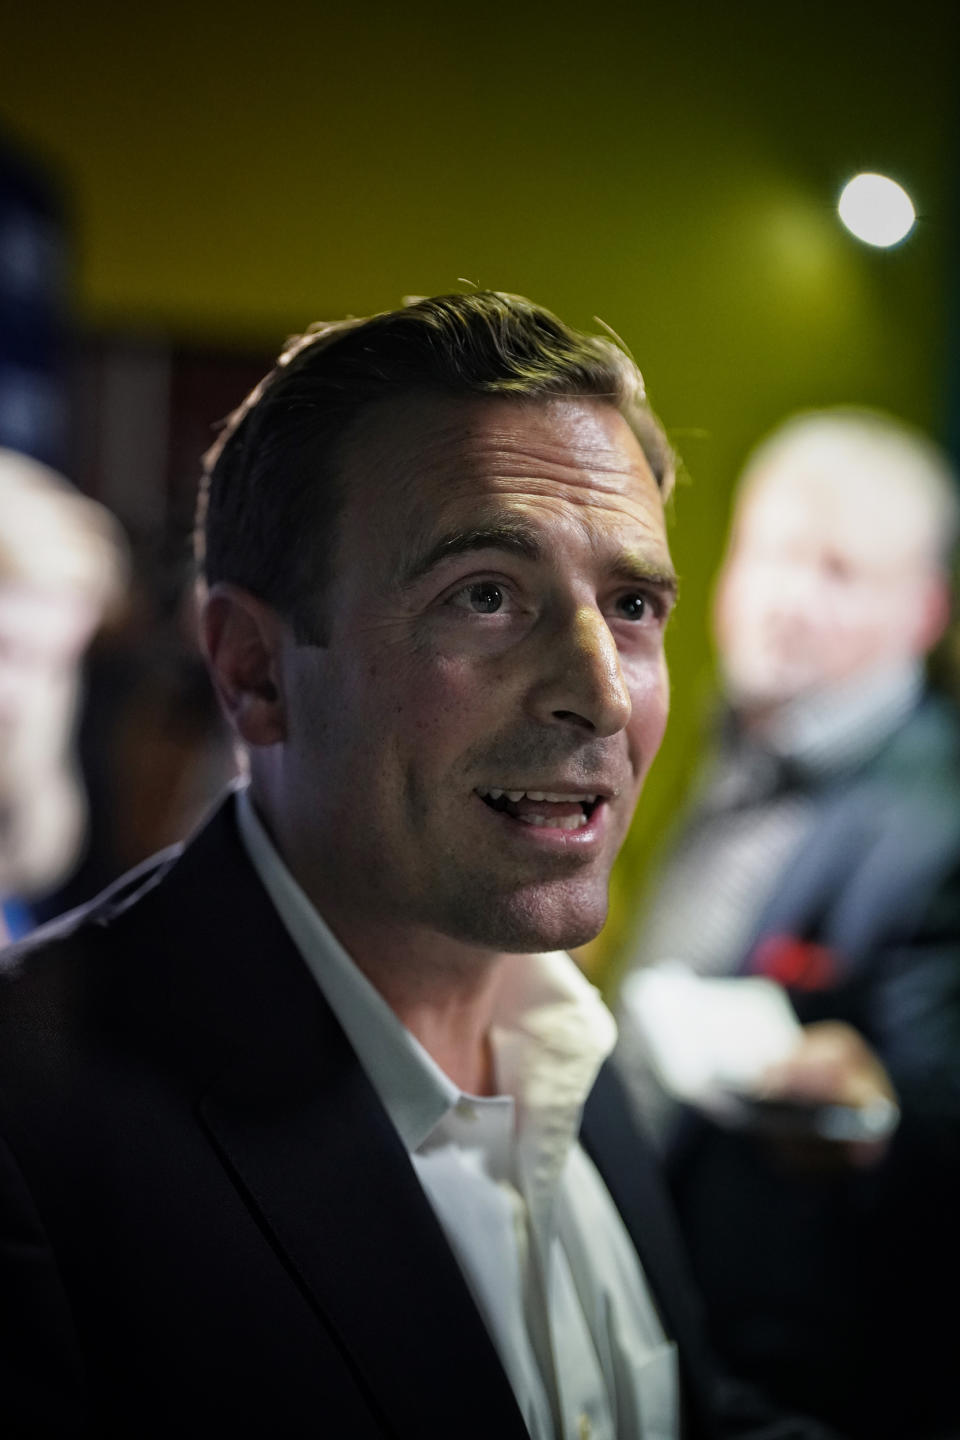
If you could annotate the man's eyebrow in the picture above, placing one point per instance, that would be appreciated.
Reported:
(515, 537)
(632, 567)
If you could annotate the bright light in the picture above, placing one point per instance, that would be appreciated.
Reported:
(876, 210)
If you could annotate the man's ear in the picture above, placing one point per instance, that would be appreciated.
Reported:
(242, 638)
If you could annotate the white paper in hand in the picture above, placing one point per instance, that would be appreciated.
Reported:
(710, 1038)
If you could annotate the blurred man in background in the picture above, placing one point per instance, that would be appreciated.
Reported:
(62, 566)
(821, 851)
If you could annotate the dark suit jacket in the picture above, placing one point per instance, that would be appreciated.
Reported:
(838, 1292)
(208, 1224)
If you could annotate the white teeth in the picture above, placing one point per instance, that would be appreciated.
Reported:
(561, 822)
(554, 798)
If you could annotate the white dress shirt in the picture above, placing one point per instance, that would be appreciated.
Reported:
(540, 1243)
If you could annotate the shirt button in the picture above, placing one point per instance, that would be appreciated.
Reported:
(466, 1110)
(584, 1428)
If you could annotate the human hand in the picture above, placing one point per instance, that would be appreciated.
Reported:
(832, 1066)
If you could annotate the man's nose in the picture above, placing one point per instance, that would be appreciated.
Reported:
(582, 682)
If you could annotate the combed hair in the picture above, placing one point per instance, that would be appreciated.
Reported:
(270, 491)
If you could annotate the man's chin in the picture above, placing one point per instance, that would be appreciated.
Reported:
(758, 694)
(538, 918)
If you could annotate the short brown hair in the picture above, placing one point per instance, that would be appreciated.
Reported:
(270, 491)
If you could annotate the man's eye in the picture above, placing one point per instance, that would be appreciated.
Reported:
(483, 598)
(633, 607)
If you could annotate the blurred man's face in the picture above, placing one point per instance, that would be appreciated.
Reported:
(43, 631)
(827, 575)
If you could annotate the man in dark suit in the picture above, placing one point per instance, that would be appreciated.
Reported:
(290, 1117)
(823, 850)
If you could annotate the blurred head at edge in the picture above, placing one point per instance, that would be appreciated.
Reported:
(839, 557)
(62, 568)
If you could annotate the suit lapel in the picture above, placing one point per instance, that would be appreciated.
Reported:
(840, 830)
(318, 1159)
(304, 1137)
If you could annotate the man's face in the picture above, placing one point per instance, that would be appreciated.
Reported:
(825, 578)
(464, 756)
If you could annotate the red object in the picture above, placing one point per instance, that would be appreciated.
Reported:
(794, 963)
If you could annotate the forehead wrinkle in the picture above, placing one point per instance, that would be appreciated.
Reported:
(501, 460)
(579, 473)
(557, 457)
(488, 442)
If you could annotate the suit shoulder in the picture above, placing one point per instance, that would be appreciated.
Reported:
(925, 752)
(50, 962)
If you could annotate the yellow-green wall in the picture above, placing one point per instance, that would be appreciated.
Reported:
(238, 170)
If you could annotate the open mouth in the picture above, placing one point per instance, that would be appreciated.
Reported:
(543, 808)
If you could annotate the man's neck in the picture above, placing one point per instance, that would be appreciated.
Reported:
(819, 721)
(444, 992)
